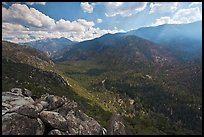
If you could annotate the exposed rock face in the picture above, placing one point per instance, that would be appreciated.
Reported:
(27, 111)
(16, 124)
(117, 126)
(12, 100)
(54, 120)
(81, 124)
(49, 114)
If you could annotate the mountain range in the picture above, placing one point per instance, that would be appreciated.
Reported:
(53, 47)
(184, 41)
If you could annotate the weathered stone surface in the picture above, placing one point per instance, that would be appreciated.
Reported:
(41, 102)
(54, 119)
(54, 102)
(57, 132)
(6, 106)
(38, 107)
(16, 124)
(44, 104)
(40, 130)
(15, 99)
(81, 124)
(27, 111)
(27, 93)
(13, 109)
(64, 110)
(16, 90)
(22, 115)
(117, 126)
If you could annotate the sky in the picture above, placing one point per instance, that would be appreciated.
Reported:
(79, 21)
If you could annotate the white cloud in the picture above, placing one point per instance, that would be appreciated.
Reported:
(187, 15)
(31, 3)
(182, 16)
(163, 7)
(195, 4)
(123, 8)
(162, 20)
(99, 20)
(86, 23)
(28, 3)
(10, 27)
(75, 26)
(21, 14)
(23, 24)
(87, 7)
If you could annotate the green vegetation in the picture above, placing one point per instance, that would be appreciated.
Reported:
(168, 102)
(162, 102)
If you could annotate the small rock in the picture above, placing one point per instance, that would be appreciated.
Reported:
(40, 130)
(27, 93)
(44, 104)
(16, 90)
(38, 107)
(64, 110)
(57, 132)
(54, 119)
(54, 102)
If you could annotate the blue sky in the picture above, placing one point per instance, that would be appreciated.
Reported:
(78, 21)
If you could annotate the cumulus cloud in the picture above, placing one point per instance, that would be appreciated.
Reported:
(86, 7)
(21, 14)
(195, 4)
(75, 26)
(123, 8)
(31, 3)
(182, 16)
(163, 7)
(99, 20)
(187, 15)
(11, 26)
(23, 24)
(86, 23)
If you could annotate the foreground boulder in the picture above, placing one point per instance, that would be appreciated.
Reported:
(13, 100)
(16, 124)
(81, 124)
(47, 115)
(54, 119)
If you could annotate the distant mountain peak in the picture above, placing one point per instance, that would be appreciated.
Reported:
(52, 46)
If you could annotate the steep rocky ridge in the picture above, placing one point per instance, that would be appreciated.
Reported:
(26, 55)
